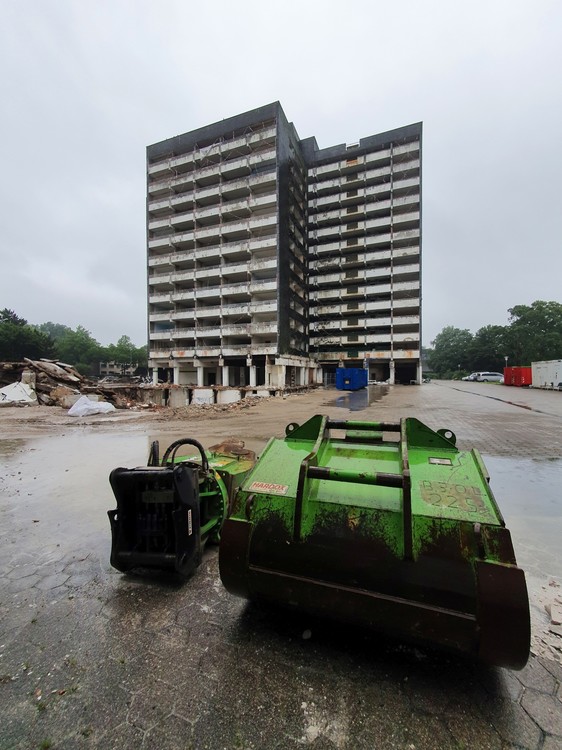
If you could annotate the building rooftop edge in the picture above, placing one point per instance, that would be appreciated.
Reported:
(318, 156)
(208, 133)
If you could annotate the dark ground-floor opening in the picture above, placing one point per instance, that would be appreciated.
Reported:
(405, 373)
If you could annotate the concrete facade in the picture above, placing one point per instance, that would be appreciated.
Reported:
(270, 261)
(364, 254)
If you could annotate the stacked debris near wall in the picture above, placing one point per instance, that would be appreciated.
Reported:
(54, 382)
(58, 384)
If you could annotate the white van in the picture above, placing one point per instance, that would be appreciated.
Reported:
(489, 377)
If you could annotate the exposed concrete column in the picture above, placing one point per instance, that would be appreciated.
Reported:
(303, 376)
(419, 373)
(200, 376)
(154, 376)
(281, 376)
(176, 374)
(391, 378)
(225, 375)
(253, 376)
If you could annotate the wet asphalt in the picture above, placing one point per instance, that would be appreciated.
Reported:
(90, 658)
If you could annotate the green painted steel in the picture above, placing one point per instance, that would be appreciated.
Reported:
(448, 487)
(227, 469)
(388, 525)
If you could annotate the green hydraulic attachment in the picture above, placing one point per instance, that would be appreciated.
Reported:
(386, 525)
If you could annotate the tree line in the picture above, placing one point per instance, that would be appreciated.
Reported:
(77, 347)
(534, 333)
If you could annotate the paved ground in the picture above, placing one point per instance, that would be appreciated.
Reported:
(92, 659)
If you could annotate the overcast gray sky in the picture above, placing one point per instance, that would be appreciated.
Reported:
(86, 86)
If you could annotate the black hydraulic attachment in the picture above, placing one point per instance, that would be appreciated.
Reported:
(157, 520)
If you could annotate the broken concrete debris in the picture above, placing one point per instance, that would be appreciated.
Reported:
(554, 611)
(18, 393)
(56, 371)
(48, 383)
(58, 384)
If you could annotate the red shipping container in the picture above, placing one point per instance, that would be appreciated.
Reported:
(520, 376)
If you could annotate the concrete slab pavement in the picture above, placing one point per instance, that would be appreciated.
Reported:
(92, 659)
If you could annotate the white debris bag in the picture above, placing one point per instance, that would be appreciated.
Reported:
(84, 407)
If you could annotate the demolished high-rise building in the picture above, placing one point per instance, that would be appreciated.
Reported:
(271, 262)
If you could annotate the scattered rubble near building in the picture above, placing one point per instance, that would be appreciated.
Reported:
(271, 261)
(47, 380)
(50, 383)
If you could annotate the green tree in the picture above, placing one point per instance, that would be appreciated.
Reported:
(80, 349)
(535, 332)
(489, 348)
(451, 350)
(142, 356)
(19, 340)
(126, 354)
(123, 352)
(9, 316)
(55, 330)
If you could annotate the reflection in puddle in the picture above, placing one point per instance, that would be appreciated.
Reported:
(359, 400)
(528, 493)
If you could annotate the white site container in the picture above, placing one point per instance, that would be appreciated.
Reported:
(547, 374)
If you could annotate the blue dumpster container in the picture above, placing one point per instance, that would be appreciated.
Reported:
(351, 378)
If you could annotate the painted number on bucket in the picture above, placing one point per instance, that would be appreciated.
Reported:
(456, 496)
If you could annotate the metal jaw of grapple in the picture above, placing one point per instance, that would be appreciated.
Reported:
(168, 510)
(157, 520)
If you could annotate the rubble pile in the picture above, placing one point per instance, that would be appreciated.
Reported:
(53, 382)
(194, 411)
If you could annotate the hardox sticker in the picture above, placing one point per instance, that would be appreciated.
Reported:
(268, 488)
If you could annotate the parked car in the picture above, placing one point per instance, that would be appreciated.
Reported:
(489, 377)
(485, 377)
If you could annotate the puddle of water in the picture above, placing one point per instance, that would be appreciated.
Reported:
(64, 482)
(359, 400)
(528, 493)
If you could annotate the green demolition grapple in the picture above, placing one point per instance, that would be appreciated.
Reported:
(387, 526)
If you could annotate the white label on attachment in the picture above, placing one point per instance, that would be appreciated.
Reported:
(268, 488)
